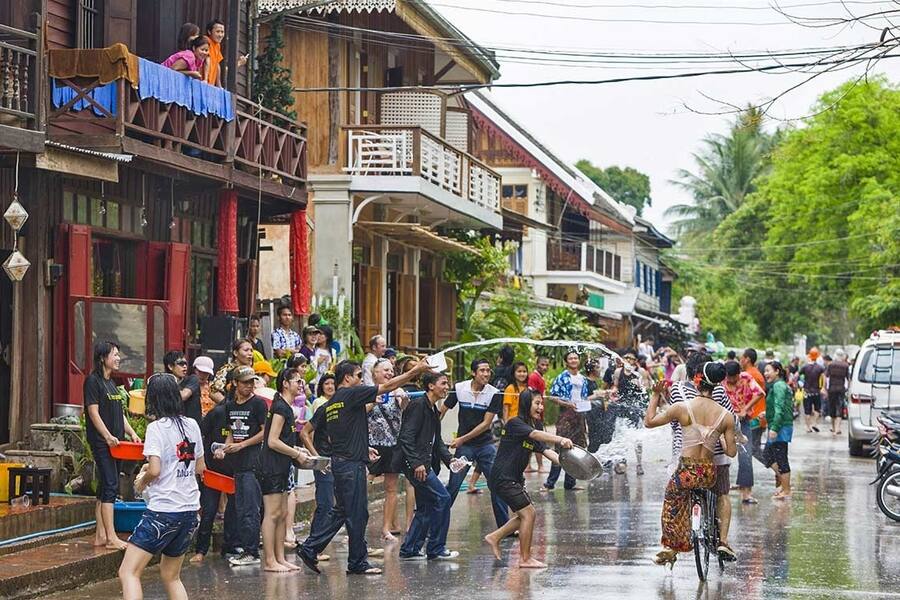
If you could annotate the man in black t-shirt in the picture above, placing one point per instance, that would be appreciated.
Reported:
(214, 429)
(246, 416)
(347, 428)
(176, 364)
(479, 403)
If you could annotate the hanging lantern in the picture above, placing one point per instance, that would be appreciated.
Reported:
(16, 266)
(16, 215)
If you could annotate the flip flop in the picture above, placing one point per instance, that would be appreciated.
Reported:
(369, 571)
(749, 501)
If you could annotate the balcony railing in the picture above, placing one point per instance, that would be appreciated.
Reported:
(257, 139)
(582, 256)
(403, 150)
(19, 82)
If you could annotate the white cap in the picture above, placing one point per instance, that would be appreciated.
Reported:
(205, 364)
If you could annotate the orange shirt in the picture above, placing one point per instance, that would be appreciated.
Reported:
(212, 63)
(754, 372)
(511, 399)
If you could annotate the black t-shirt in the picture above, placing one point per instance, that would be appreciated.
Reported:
(108, 398)
(472, 416)
(346, 423)
(320, 437)
(244, 421)
(514, 451)
(272, 461)
(214, 429)
(192, 404)
(258, 346)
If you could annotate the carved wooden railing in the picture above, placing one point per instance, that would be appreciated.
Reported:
(259, 140)
(403, 150)
(20, 63)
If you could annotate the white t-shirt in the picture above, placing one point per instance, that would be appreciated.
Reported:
(368, 364)
(175, 490)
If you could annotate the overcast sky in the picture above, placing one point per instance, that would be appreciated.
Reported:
(648, 125)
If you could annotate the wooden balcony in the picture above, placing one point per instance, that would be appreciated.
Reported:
(410, 151)
(20, 85)
(258, 145)
(585, 257)
(564, 256)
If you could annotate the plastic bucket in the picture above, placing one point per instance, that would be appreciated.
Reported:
(136, 402)
(4, 479)
(217, 481)
(127, 515)
(127, 451)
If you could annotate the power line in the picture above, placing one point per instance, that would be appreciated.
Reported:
(690, 6)
(796, 245)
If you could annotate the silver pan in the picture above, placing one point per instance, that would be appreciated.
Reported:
(580, 464)
(316, 463)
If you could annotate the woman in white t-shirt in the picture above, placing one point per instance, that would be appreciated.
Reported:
(174, 451)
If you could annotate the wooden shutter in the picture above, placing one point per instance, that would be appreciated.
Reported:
(177, 292)
(368, 294)
(427, 306)
(406, 311)
(445, 317)
(119, 22)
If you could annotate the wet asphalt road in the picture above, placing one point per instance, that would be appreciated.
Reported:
(829, 541)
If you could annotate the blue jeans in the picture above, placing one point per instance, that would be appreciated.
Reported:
(248, 502)
(350, 510)
(432, 517)
(209, 506)
(166, 533)
(324, 497)
(745, 457)
(553, 477)
(483, 457)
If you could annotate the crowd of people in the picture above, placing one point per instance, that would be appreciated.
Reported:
(382, 418)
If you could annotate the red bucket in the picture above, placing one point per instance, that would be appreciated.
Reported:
(128, 451)
(217, 481)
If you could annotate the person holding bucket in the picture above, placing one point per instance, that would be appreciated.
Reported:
(521, 436)
(106, 425)
(174, 453)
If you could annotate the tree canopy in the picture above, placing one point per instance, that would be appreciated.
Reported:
(627, 185)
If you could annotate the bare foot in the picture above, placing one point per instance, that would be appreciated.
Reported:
(197, 558)
(116, 544)
(387, 536)
(276, 568)
(532, 563)
(99, 541)
(494, 544)
(290, 566)
(531, 470)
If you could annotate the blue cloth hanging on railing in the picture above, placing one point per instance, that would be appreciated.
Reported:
(170, 86)
(104, 95)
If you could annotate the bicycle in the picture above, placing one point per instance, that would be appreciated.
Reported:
(705, 530)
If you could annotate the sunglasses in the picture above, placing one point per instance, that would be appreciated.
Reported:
(358, 374)
(181, 363)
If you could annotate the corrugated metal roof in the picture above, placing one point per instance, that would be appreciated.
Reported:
(122, 158)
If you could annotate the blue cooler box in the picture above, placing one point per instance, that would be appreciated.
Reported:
(127, 515)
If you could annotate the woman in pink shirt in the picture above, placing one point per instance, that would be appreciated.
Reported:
(191, 62)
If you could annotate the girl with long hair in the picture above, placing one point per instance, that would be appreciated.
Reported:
(105, 426)
(384, 429)
(780, 416)
(241, 355)
(511, 394)
(168, 481)
(521, 436)
(276, 456)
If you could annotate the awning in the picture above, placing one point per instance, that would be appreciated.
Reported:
(415, 235)
(649, 319)
(553, 303)
(520, 219)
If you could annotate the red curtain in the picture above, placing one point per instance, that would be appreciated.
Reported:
(300, 274)
(227, 241)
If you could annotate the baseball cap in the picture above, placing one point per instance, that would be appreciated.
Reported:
(243, 373)
(389, 353)
(310, 329)
(205, 364)
(264, 367)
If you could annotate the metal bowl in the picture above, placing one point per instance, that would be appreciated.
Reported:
(67, 410)
(580, 464)
(316, 463)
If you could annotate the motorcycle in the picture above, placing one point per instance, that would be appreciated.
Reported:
(888, 460)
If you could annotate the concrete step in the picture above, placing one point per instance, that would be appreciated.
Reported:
(56, 567)
(63, 511)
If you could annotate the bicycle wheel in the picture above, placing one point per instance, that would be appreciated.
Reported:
(701, 544)
(888, 496)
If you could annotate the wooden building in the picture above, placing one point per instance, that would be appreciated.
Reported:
(144, 204)
(389, 167)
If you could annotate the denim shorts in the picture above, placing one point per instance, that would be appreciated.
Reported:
(167, 533)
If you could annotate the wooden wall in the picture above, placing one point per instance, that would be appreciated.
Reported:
(306, 55)
(61, 23)
(492, 150)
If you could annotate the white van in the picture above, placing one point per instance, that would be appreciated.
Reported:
(874, 387)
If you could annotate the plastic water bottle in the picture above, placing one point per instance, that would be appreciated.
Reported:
(20, 502)
(216, 446)
(460, 463)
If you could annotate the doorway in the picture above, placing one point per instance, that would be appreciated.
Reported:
(6, 350)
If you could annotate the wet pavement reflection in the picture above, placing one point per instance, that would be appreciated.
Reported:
(829, 541)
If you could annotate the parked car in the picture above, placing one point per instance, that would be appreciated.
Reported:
(874, 387)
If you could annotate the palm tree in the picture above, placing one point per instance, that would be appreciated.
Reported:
(727, 168)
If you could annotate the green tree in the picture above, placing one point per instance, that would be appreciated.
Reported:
(727, 168)
(626, 185)
(272, 85)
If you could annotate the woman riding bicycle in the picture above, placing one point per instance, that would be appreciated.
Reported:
(703, 422)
